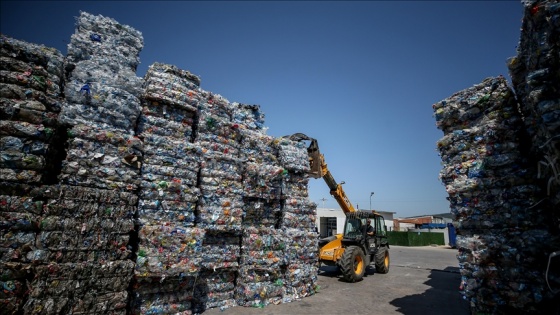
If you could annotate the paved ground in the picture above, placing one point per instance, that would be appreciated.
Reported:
(422, 280)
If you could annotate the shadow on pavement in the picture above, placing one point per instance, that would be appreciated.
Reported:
(333, 272)
(442, 296)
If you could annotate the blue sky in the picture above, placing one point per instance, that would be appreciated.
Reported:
(359, 76)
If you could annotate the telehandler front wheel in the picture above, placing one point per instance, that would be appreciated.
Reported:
(382, 260)
(353, 264)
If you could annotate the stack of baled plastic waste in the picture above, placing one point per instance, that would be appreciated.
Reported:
(493, 199)
(80, 260)
(170, 246)
(261, 275)
(147, 195)
(221, 195)
(262, 199)
(102, 87)
(298, 220)
(30, 78)
(88, 223)
(169, 192)
(535, 78)
(171, 296)
(262, 261)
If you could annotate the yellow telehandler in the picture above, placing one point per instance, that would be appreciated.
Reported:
(353, 250)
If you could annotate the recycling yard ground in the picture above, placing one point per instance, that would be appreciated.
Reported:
(422, 280)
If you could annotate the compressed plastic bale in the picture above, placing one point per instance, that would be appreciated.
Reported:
(215, 105)
(182, 215)
(300, 281)
(27, 111)
(166, 88)
(181, 176)
(13, 91)
(162, 68)
(85, 194)
(168, 112)
(96, 35)
(102, 136)
(295, 185)
(261, 212)
(77, 271)
(23, 204)
(15, 245)
(46, 57)
(87, 304)
(299, 213)
(292, 155)
(28, 75)
(23, 176)
(100, 117)
(223, 216)
(215, 289)
(468, 107)
(171, 191)
(217, 126)
(87, 241)
(151, 125)
(24, 129)
(27, 80)
(169, 144)
(217, 146)
(221, 250)
(302, 246)
(172, 171)
(300, 206)
(155, 145)
(249, 116)
(535, 78)
(46, 306)
(16, 160)
(256, 146)
(85, 225)
(102, 71)
(101, 98)
(103, 178)
(263, 247)
(77, 287)
(38, 256)
(300, 221)
(259, 294)
(18, 221)
(224, 167)
(256, 273)
(262, 180)
(168, 250)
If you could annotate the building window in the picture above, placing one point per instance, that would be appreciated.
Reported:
(331, 226)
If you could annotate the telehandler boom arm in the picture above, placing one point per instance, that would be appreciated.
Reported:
(319, 169)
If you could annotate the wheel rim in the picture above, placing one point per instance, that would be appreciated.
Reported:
(386, 261)
(358, 264)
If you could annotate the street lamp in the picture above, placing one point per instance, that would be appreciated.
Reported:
(371, 194)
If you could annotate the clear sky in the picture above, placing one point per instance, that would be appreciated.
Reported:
(359, 76)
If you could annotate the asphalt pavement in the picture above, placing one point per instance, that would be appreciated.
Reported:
(421, 280)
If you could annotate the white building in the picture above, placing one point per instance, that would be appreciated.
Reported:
(331, 221)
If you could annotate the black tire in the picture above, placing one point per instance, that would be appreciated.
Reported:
(382, 260)
(353, 264)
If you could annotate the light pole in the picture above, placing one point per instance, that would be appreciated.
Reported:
(371, 194)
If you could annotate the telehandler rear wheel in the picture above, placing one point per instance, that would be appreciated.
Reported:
(382, 260)
(353, 264)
